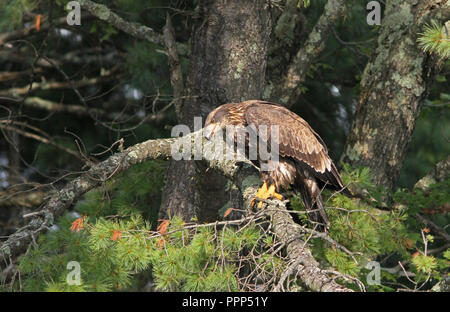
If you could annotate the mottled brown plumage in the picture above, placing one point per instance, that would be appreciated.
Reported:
(303, 161)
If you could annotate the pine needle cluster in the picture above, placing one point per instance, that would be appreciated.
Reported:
(436, 38)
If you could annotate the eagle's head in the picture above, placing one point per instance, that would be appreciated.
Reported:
(219, 118)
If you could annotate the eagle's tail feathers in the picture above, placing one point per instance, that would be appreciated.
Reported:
(315, 209)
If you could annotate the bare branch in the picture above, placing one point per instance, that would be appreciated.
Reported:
(6, 124)
(136, 30)
(23, 199)
(437, 229)
(20, 33)
(289, 89)
(102, 12)
(47, 85)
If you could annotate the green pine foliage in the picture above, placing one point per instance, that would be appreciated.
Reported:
(365, 231)
(436, 38)
(385, 235)
(119, 240)
(418, 200)
(106, 264)
(12, 13)
(199, 261)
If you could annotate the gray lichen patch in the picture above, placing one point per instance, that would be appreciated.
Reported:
(425, 183)
(399, 15)
(132, 156)
(284, 30)
(250, 182)
(268, 91)
(82, 183)
(67, 195)
(102, 12)
(355, 151)
(411, 81)
(239, 69)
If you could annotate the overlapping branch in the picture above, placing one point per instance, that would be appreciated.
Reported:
(243, 174)
(136, 30)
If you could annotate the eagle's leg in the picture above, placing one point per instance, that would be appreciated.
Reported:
(265, 192)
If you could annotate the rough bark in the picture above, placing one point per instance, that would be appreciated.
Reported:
(394, 85)
(228, 61)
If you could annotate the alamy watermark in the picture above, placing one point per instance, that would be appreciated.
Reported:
(374, 15)
(74, 15)
(74, 276)
(374, 276)
(253, 143)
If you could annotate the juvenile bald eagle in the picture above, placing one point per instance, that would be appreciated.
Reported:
(303, 161)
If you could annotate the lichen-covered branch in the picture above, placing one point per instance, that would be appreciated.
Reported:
(242, 172)
(308, 268)
(51, 85)
(94, 177)
(289, 88)
(136, 30)
(104, 13)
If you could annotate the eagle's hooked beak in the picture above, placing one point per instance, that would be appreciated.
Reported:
(209, 131)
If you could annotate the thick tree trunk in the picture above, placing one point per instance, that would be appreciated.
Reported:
(394, 86)
(228, 62)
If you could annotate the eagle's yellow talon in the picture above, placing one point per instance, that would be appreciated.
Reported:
(274, 194)
(265, 193)
(262, 191)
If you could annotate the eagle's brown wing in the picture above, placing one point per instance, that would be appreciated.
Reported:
(296, 140)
